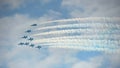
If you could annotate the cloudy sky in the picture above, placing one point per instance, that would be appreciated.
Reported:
(17, 15)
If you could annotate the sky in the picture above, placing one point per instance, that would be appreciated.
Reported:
(17, 15)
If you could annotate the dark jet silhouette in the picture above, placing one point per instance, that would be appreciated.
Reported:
(34, 25)
(21, 43)
(27, 43)
(28, 31)
(32, 45)
(38, 47)
(30, 39)
(24, 37)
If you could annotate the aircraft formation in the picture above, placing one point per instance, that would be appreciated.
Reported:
(89, 34)
(29, 39)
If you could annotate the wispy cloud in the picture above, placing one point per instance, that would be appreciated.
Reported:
(91, 63)
(98, 8)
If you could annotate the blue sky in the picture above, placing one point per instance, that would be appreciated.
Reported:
(17, 15)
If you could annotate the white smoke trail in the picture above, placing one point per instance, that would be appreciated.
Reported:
(82, 48)
(74, 31)
(97, 37)
(102, 32)
(86, 19)
(78, 41)
(93, 25)
(92, 47)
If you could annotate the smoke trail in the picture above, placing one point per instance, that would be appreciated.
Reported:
(94, 33)
(93, 25)
(92, 48)
(114, 36)
(91, 21)
(86, 19)
(75, 31)
(88, 47)
(79, 41)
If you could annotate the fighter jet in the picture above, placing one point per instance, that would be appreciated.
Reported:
(34, 25)
(21, 43)
(30, 39)
(32, 45)
(24, 37)
(28, 31)
(38, 47)
(27, 43)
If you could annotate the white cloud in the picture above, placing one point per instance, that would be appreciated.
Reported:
(94, 62)
(114, 60)
(97, 8)
(12, 27)
(106, 60)
(50, 15)
(32, 58)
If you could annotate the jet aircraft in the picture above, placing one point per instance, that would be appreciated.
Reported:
(38, 47)
(21, 43)
(34, 25)
(32, 45)
(25, 37)
(26, 43)
(28, 31)
(30, 39)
